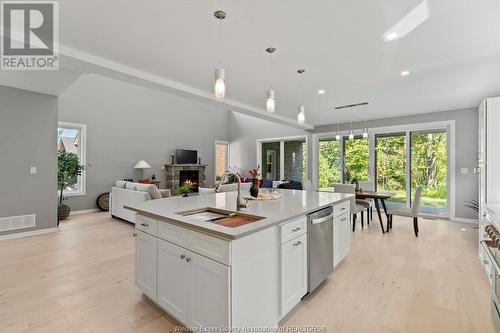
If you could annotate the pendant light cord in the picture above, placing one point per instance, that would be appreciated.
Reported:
(270, 70)
(220, 42)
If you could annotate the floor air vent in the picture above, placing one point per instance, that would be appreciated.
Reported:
(17, 222)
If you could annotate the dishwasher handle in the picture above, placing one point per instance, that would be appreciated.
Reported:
(322, 219)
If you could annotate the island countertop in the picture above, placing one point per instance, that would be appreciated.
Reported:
(292, 204)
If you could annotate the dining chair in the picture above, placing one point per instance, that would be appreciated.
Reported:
(368, 203)
(407, 212)
(355, 207)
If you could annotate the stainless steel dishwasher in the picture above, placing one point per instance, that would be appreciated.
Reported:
(320, 246)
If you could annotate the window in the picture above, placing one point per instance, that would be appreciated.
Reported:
(221, 159)
(71, 138)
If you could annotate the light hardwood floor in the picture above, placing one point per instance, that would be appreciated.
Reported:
(81, 280)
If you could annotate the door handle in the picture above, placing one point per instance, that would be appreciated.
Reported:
(323, 219)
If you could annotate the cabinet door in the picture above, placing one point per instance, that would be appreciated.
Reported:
(346, 228)
(145, 264)
(293, 272)
(173, 279)
(209, 292)
(338, 240)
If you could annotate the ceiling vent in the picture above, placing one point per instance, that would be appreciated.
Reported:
(350, 106)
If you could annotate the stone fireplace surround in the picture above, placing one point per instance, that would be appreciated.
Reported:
(172, 175)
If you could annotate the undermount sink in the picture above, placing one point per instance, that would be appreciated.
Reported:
(222, 217)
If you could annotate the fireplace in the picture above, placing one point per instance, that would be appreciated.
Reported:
(193, 172)
(190, 176)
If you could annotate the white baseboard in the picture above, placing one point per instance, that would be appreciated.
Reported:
(84, 211)
(28, 233)
(461, 219)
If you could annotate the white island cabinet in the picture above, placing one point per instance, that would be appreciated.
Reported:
(215, 278)
(341, 232)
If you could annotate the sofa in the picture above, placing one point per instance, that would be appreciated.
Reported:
(125, 193)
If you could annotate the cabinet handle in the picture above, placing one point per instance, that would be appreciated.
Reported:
(188, 259)
(297, 244)
(134, 234)
(183, 256)
(296, 229)
(145, 224)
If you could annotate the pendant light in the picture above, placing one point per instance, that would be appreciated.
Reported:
(220, 74)
(351, 135)
(271, 94)
(301, 114)
(365, 131)
(337, 135)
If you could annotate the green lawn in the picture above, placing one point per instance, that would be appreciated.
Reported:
(400, 197)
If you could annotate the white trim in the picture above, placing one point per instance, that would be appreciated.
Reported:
(449, 125)
(28, 233)
(282, 141)
(83, 156)
(84, 211)
(461, 219)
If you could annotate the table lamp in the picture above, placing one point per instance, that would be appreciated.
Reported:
(141, 165)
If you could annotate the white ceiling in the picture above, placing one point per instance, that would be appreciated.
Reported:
(454, 56)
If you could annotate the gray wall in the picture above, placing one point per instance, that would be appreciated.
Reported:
(127, 123)
(244, 131)
(466, 132)
(28, 136)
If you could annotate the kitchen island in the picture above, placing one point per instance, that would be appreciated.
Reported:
(212, 276)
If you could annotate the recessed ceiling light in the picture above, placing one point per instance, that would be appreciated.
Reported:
(321, 91)
(391, 36)
(405, 73)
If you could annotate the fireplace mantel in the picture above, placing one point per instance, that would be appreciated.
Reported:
(172, 172)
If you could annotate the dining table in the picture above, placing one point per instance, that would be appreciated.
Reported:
(376, 197)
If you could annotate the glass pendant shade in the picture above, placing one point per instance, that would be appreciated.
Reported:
(337, 137)
(301, 115)
(271, 101)
(351, 136)
(220, 83)
(365, 134)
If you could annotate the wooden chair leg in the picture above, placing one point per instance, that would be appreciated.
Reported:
(391, 220)
(368, 215)
(415, 226)
(362, 220)
(353, 222)
(371, 213)
(388, 222)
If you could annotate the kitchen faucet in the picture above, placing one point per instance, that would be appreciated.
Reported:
(240, 203)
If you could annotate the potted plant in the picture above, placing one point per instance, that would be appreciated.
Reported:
(68, 170)
(185, 189)
(254, 175)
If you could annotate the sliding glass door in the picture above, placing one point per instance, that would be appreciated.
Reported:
(390, 166)
(356, 159)
(271, 160)
(330, 163)
(284, 159)
(393, 161)
(429, 169)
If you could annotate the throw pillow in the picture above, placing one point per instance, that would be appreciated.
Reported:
(144, 181)
(153, 191)
(205, 190)
(165, 193)
(121, 183)
(131, 186)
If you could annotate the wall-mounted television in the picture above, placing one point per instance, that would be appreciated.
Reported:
(183, 156)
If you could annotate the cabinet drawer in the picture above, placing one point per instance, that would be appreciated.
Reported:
(291, 229)
(174, 234)
(146, 224)
(210, 247)
(342, 208)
